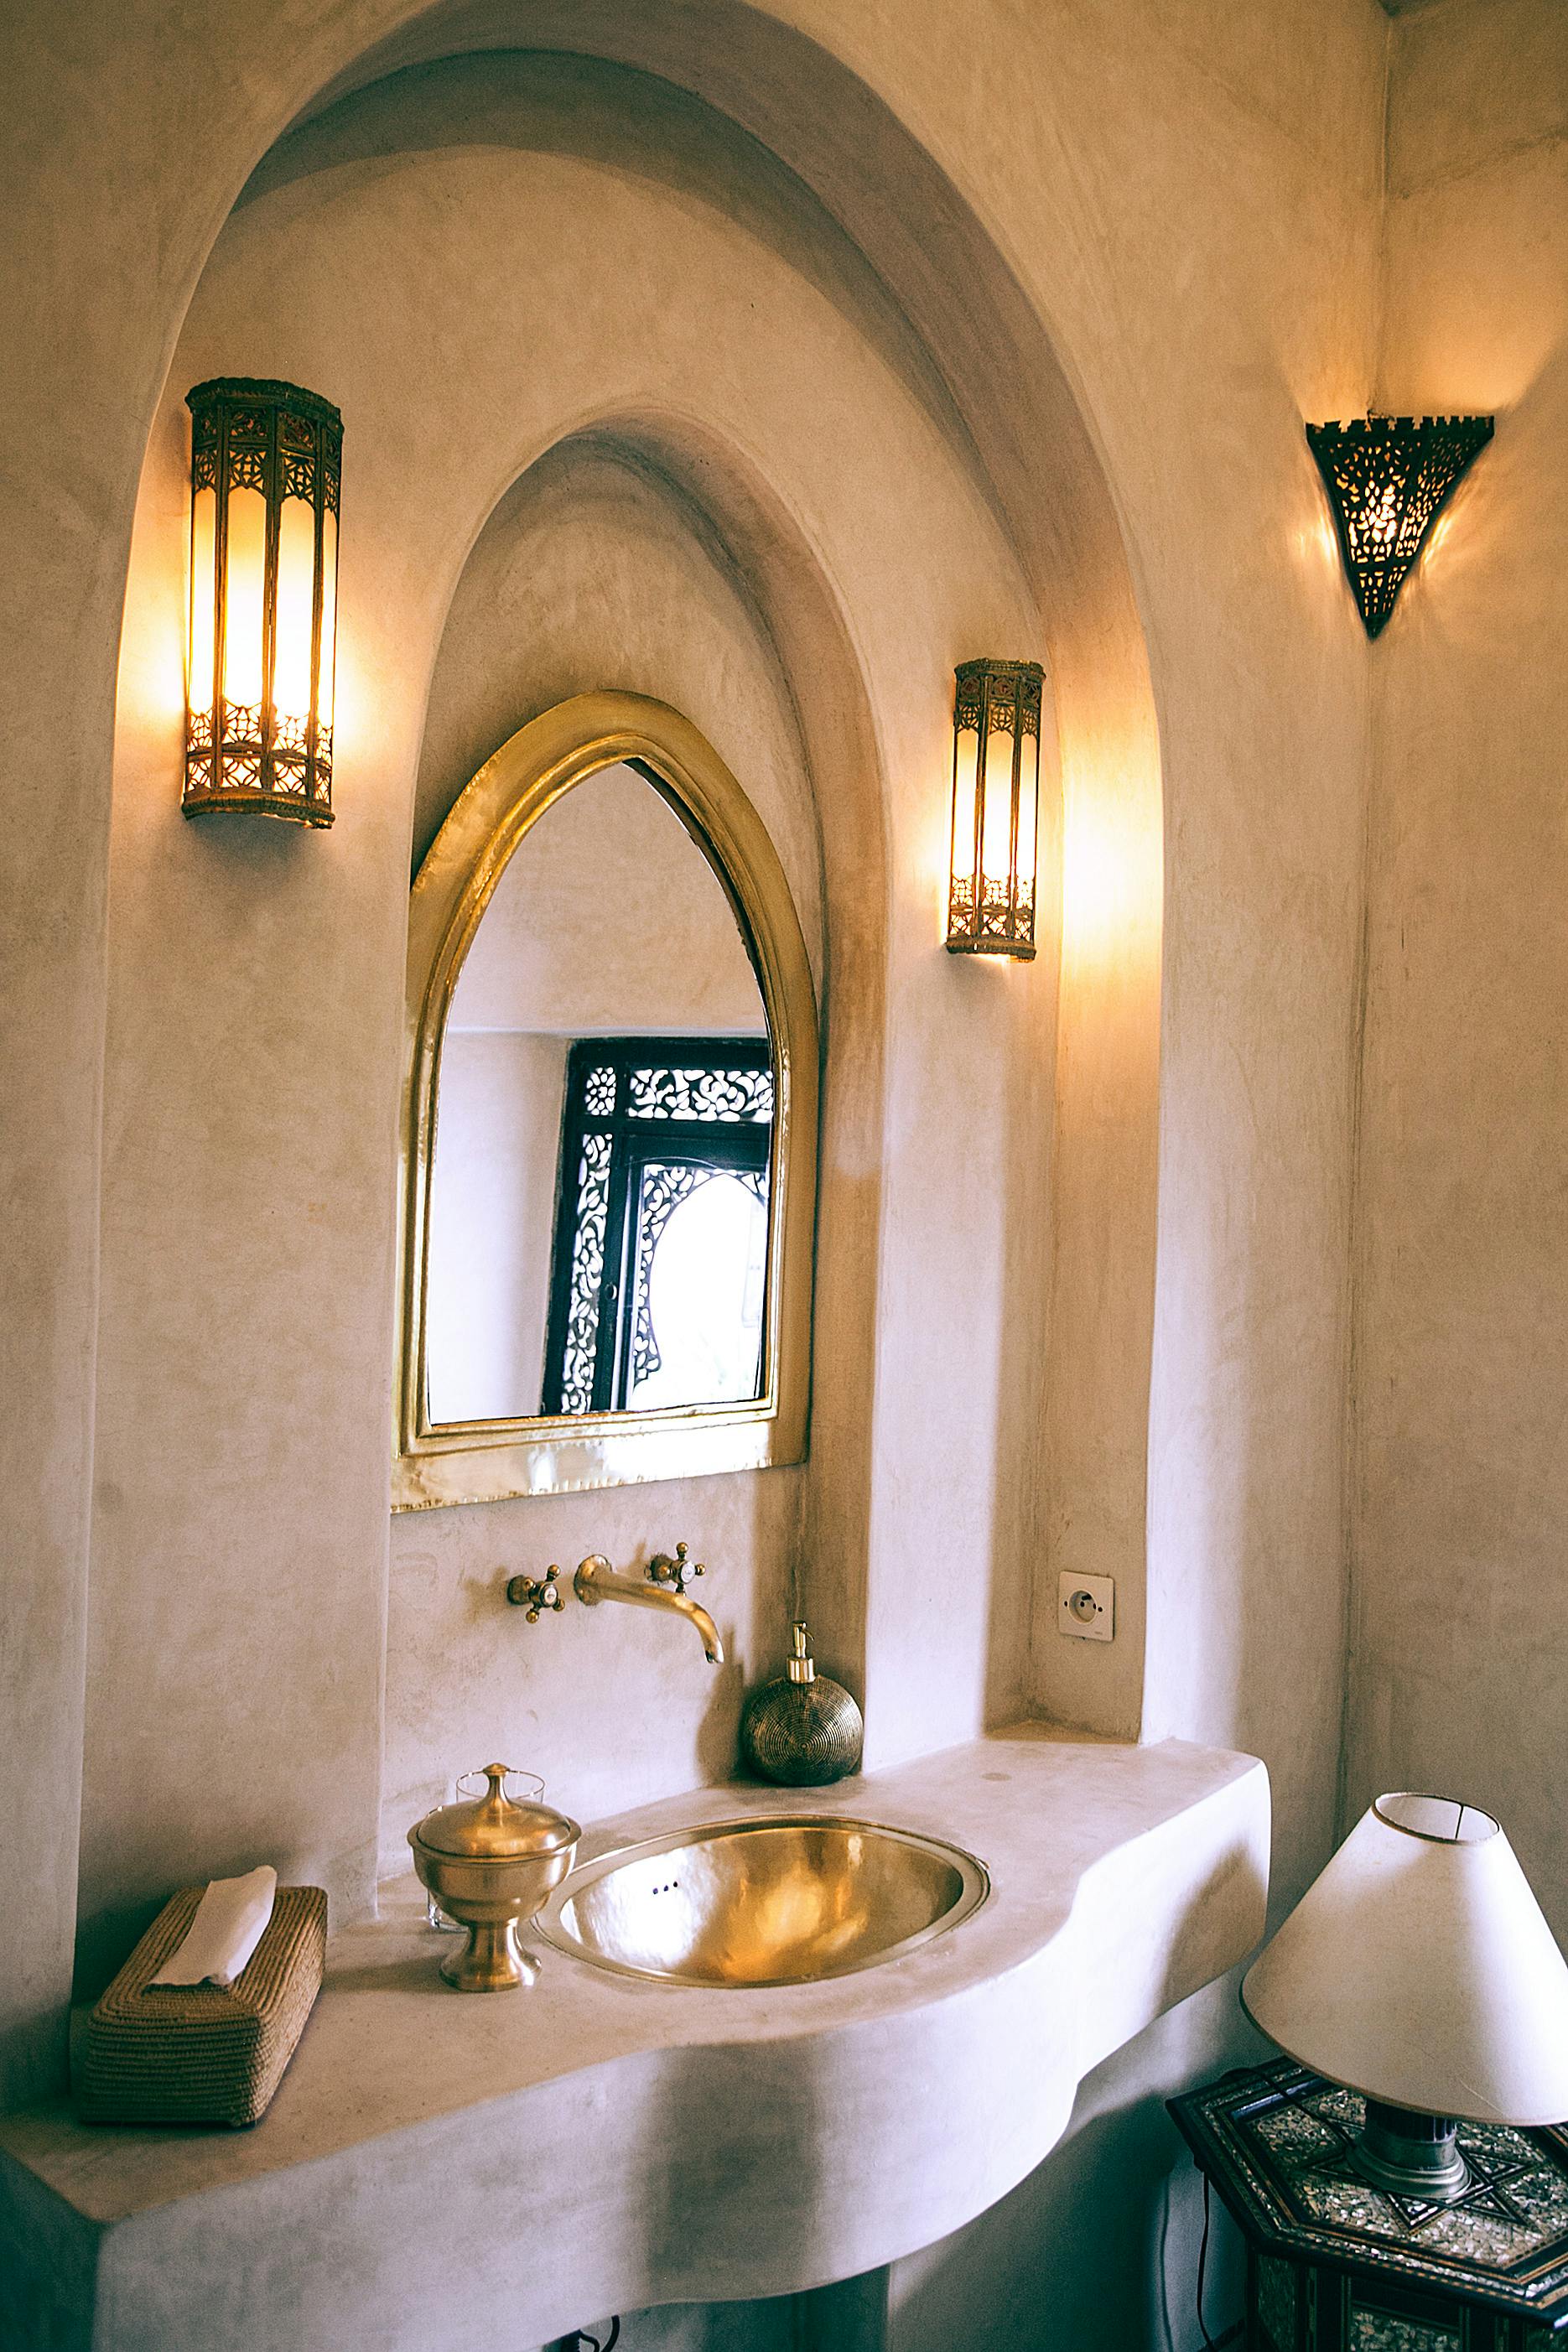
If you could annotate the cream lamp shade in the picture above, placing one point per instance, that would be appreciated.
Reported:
(1420, 1970)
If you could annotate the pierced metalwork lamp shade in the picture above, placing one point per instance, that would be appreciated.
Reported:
(995, 804)
(1418, 1970)
(1387, 479)
(265, 467)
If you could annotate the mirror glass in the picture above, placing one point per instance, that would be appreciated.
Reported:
(598, 1207)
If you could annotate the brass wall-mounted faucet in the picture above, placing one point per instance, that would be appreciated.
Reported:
(662, 1585)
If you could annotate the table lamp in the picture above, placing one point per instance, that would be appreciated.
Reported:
(1418, 1970)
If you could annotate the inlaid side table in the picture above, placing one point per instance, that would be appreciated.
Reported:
(1334, 2265)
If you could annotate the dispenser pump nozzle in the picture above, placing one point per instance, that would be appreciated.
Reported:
(801, 1666)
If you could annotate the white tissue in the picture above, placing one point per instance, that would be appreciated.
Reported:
(231, 1919)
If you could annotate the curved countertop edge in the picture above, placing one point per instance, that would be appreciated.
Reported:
(597, 2144)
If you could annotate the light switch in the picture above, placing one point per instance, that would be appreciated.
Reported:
(1085, 1607)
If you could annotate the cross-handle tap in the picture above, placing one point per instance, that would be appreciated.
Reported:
(534, 1593)
(674, 1574)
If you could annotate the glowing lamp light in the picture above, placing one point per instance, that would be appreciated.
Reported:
(995, 804)
(1387, 477)
(265, 466)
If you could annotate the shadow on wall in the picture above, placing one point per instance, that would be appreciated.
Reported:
(791, 2221)
(1098, 2249)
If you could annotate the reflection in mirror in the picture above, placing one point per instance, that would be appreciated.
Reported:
(598, 1213)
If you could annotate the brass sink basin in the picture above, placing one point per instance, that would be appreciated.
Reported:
(777, 1901)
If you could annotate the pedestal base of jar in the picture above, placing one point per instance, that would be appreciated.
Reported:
(492, 1960)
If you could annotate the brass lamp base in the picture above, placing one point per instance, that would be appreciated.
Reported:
(491, 1961)
(1413, 2155)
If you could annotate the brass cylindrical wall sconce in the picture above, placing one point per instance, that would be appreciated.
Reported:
(996, 808)
(264, 467)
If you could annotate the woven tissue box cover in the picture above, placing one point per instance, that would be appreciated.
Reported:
(202, 2054)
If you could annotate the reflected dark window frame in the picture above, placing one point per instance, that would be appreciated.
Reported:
(700, 1103)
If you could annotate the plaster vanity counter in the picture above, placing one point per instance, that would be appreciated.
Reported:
(447, 2171)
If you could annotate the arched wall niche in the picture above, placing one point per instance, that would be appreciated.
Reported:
(663, 478)
(722, 101)
(1030, 426)
(844, 552)
(992, 363)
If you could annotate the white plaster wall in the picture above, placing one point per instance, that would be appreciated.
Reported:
(1260, 670)
(1461, 1392)
(1173, 198)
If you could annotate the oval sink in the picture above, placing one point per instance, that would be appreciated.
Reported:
(770, 1901)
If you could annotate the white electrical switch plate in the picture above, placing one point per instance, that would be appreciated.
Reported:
(1085, 1607)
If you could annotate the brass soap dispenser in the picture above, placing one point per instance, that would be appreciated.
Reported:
(802, 1729)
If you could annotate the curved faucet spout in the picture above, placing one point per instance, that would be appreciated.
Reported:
(712, 1647)
(596, 1580)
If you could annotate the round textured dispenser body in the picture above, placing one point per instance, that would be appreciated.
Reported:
(802, 1734)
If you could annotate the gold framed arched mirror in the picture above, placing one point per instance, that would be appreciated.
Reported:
(609, 1123)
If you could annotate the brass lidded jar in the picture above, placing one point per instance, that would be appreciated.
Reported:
(803, 1728)
(491, 1862)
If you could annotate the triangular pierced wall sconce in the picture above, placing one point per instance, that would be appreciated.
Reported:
(1387, 477)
